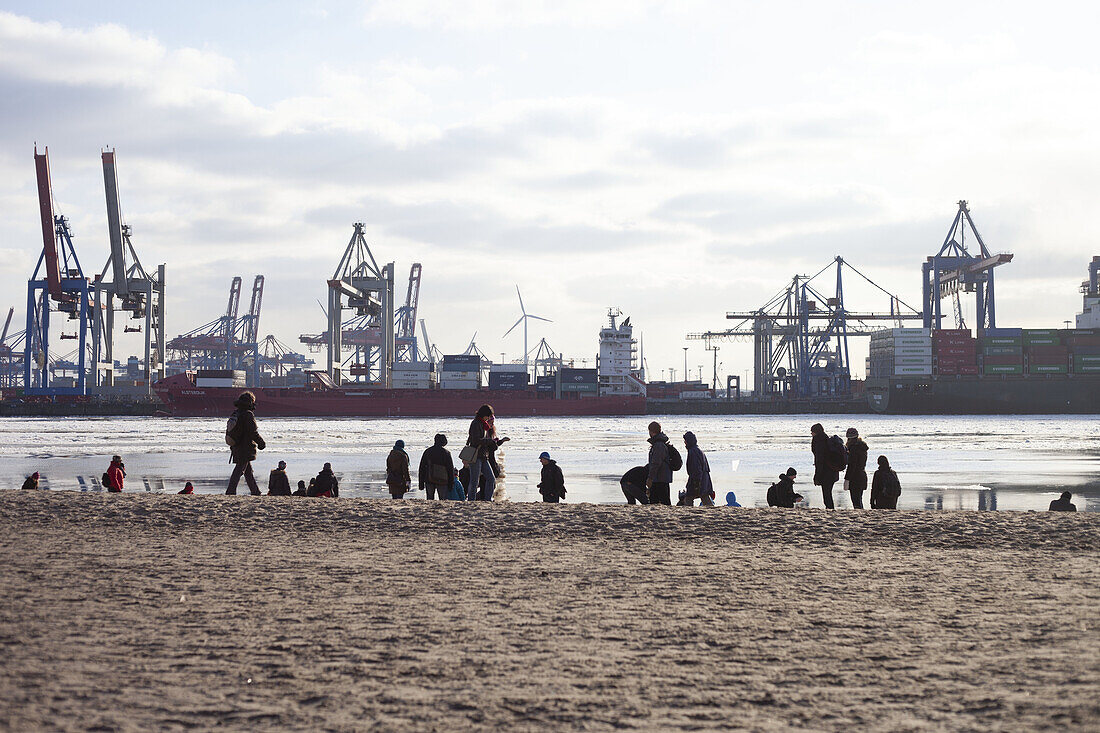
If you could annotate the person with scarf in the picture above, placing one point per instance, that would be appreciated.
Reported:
(484, 441)
(397, 470)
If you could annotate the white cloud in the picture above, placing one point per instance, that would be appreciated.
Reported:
(485, 15)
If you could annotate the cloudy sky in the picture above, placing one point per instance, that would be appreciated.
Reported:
(675, 159)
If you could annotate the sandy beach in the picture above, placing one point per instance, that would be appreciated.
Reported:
(141, 612)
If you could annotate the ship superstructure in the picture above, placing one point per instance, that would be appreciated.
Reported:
(619, 372)
(1089, 317)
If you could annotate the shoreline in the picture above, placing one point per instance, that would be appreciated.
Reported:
(137, 612)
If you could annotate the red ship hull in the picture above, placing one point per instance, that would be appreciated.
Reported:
(184, 399)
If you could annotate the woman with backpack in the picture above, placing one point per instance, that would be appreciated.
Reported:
(885, 487)
(243, 438)
(825, 475)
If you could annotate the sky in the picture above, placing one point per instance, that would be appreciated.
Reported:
(677, 160)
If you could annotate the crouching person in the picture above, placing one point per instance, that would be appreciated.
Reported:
(633, 485)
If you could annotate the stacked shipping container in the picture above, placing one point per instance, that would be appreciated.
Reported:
(899, 352)
(413, 375)
(954, 352)
(1002, 351)
(460, 371)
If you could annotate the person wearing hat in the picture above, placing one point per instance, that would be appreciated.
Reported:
(699, 485)
(731, 500)
(325, 485)
(32, 482)
(277, 483)
(856, 474)
(187, 489)
(781, 493)
(243, 437)
(116, 475)
(397, 470)
(552, 486)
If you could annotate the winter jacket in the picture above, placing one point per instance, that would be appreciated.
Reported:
(31, 483)
(325, 484)
(822, 473)
(883, 478)
(660, 472)
(117, 474)
(633, 484)
(246, 435)
(784, 495)
(1062, 506)
(397, 470)
(485, 439)
(458, 491)
(698, 469)
(857, 459)
(277, 483)
(553, 482)
(440, 458)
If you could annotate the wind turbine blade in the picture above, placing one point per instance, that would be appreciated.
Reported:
(540, 318)
(521, 308)
(514, 326)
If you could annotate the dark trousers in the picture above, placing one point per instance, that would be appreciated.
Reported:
(827, 494)
(857, 484)
(430, 491)
(549, 499)
(660, 493)
(242, 469)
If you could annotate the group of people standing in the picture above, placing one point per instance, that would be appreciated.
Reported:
(476, 480)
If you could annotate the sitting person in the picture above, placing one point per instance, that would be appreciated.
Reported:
(32, 482)
(1063, 503)
(325, 485)
(302, 490)
(277, 482)
(187, 489)
(731, 499)
(781, 493)
(458, 488)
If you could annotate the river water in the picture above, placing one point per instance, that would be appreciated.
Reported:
(943, 462)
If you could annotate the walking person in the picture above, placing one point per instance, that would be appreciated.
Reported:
(825, 475)
(699, 485)
(552, 486)
(277, 482)
(397, 470)
(116, 475)
(483, 441)
(437, 469)
(885, 487)
(659, 480)
(243, 437)
(856, 475)
(31, 484)
(325, 484)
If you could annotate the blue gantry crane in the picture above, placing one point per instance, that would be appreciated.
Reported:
(57, 284)
(955, 269)
(800, 336)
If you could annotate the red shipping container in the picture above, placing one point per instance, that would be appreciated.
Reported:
(956, 351)
(969, 370)
(1004, 359)
(1083, 341)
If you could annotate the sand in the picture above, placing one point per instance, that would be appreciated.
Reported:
(141, 612)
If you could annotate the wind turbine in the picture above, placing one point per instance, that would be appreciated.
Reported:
(523, 319)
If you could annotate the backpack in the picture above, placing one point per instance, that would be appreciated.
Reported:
(891, 487)
(675, 462)
(773, 495)
(106, 480)
(836, 453)
(438, 474)
(230, 430)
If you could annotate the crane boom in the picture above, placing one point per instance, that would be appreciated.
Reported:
(253, 331)
(45, 208)
(7, 323)
(114, 225)
(231, 309)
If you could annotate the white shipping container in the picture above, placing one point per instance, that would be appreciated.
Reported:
(460, 375)
(696, 395)
(912, 351)
(912, 370)
(219, 382)
(496, 368)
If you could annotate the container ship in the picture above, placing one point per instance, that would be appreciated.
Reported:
(996, 371)
(453, 388)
